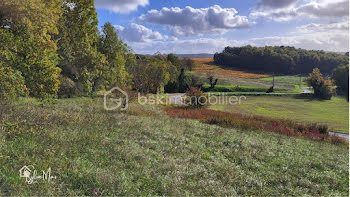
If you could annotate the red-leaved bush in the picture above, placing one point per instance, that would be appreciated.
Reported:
(234, 120)
(195, 98)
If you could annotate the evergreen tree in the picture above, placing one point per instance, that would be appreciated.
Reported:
(174, 60)
(183, 84)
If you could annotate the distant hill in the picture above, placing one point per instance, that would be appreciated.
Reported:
(280, 59)
(200, 55)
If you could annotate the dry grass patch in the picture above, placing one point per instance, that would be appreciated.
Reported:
(240, 121)
(206, 65)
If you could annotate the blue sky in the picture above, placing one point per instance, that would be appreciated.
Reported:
(207, 26)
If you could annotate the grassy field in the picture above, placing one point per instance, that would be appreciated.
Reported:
(333, 113)
(206, 65)
(234, 88)
(144, 152)
(289, 79)
(231, 77)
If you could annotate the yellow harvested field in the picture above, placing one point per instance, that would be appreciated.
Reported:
(206, 65)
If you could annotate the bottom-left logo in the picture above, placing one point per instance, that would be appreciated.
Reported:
(31, 175)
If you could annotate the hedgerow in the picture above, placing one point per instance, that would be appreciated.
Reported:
(240, 121)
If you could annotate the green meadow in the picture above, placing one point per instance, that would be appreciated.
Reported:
(332, 112)
(144, 152)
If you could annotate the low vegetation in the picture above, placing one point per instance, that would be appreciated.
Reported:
(245, 122)
(195, 98)
(56, 61)
(95, 152)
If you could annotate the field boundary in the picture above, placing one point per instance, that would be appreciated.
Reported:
(255, 94)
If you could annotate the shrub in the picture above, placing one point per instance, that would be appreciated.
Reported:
(322, 87)
(195, 98)
(212, 82)
(322, 128)
(11, 83)
(67, 87)
(270, 90)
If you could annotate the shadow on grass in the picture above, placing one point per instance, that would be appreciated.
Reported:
(311, 97)
(308, 97)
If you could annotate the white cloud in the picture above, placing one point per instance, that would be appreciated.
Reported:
(275, 4)
(193, 22)
(328, 37)
(121, 6)
(324, 9)
(336, 42)
(137, 33)
(334, 27)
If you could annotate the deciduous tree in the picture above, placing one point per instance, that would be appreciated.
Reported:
(27, 30)
(341, 78)
(322, 87)
(80, 59)
(116, 52)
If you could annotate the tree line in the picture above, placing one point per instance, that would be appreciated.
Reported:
(54, 48)
(279, 59)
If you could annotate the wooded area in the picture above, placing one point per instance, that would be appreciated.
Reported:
(280, 59)
(55, 49)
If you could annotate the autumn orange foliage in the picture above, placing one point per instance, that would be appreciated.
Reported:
(206, 65)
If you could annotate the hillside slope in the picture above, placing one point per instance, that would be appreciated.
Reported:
(143, 152)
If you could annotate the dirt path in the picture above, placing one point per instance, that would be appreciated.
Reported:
(341, 135)
(306, 90)
(176, 99)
